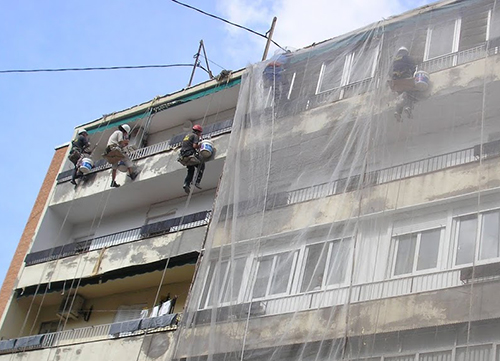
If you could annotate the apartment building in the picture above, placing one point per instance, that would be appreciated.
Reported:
(103, 257)
(330, 224)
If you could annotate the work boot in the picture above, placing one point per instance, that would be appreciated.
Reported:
(114, 184)
(133, 175)
(73, 182)
(186, 187)
(197, 185)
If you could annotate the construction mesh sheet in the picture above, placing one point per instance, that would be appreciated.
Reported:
(358, 216)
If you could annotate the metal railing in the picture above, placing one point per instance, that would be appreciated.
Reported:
(211, 130)
(77, 335)
(172, 225)
(385, 175)
(454, 59)
(363, 292)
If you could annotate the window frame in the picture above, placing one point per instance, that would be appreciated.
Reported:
(205, 303)
(455, 40)
(326, 271)
(478, 237)
(291, 279)
(414, 271)
(347, 67)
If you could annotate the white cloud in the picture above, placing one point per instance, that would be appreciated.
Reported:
(301, 22)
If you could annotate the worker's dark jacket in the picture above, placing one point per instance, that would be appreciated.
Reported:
(78, 147)
(188, 143)
(80, 144)
(403, 67)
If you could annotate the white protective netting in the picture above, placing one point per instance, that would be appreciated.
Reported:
(358, 213)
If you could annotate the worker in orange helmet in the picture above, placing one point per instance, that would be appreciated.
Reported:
(190, 147)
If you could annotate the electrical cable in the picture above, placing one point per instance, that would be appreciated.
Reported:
(213, 62)
(228, 22)
(95, 68)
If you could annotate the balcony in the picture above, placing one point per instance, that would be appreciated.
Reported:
(213, 130)
(410, 303)
(400, 187)
(146, 249)
(139, 327)
(151, 230)
(160, 179)
(438, 67)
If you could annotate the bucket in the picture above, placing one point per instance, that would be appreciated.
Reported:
(421, 80)
(122, 167)
(86, 165)
(206, 149)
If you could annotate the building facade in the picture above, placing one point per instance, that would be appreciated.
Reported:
(357, 214)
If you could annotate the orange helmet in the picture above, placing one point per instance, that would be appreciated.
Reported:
(198, 128)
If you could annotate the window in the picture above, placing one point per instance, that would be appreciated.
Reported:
(484, 227)
(126, 313)
(416, 251)
(332, 74)
(223, 282)
(442, 39)
(354, 67)
(49, 327)
(274, 274)
(362, 64)
(330, 259)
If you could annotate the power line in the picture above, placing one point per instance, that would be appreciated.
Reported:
(228, 22)
(95, 68)
(213, 62)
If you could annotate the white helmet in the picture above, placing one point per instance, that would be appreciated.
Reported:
(125, 127)
(403, 49)
(83, 131)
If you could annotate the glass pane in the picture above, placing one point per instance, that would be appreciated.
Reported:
(474, 353)
(429, 249)
(332, 74)
(207, 284)
(218, 281)
(362, 66)
(466, 228)
(260, 287)
(435, 356)
(282, 273)
(442, 39)
(232, 286)
(315, 267)
(339, 261)
(490, 235)
(405, 254)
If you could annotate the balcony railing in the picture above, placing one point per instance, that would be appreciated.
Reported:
(454, 59)
(362, 292)
(92, 333)
(385, 175)
(169, 226)
(211, 130)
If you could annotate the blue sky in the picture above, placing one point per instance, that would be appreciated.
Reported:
(41, 110)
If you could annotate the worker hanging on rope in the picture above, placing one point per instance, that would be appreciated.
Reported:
(403, 67)
(411, 84)
(274, 77)
(190, 157)
(117, 153)
(80, 148)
